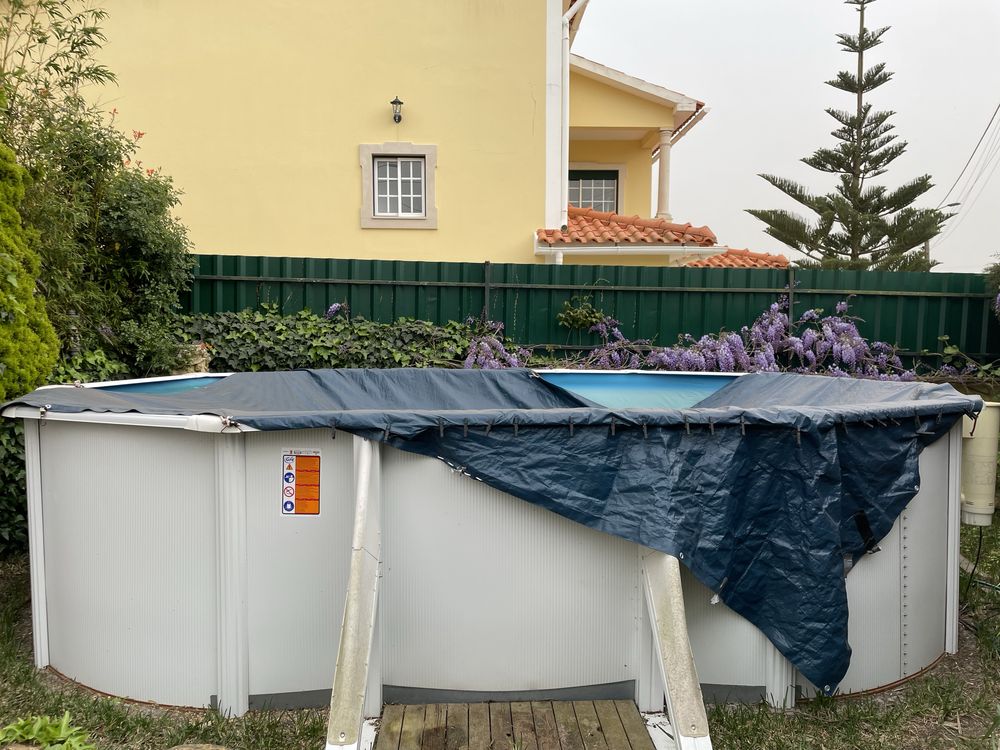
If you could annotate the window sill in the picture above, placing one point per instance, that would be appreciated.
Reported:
(389, 222)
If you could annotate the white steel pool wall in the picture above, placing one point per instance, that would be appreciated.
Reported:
(129, 524)
(485, 592)
(481, 591)
(298, 565)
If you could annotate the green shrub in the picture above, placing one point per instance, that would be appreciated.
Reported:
(265, 340)
(28, 346)
(114, 260)
(13, 509)
(47, 733)
(88, 367)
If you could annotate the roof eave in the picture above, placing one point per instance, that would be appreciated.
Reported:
(632, 85)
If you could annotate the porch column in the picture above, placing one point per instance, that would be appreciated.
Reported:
(663, 190)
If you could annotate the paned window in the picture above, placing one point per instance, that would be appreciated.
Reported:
(594, 188)
(399, 187)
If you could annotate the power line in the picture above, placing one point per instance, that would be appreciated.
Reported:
(993, 117)
(968, 208)
(987, 155)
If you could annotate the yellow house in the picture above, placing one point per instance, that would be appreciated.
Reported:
(276, 121)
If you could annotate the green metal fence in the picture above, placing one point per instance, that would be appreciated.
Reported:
(910, 310)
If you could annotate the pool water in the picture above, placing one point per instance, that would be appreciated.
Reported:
(634, 390)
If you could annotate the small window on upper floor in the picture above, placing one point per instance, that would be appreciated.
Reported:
(594, 188)
(397, 186)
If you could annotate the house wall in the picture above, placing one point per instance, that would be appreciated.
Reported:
(594, 104)
(596, 112)
(635, 185)
(258, 109)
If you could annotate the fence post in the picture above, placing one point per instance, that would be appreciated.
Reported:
(486, 289)
(791, 294)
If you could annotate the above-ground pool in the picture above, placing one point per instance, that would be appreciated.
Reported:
(182, 555)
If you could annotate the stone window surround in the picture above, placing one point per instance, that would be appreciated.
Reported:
(368, 152)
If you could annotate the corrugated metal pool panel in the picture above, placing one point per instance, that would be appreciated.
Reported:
(482, 591)
(297, 566)
(130, 560)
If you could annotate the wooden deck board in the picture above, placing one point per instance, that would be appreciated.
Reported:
(521, 725)
(388, 733)
(611, 725)
(590, 726)
(524, 726)
(635, 727)
(501, 731)
(567, 726)
(457, 727)
(546, 734)
(413, 728)
(479, 726)
(434, 727)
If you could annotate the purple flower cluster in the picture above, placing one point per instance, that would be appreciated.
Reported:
(830, 345)
(337, 308)
(814, 343)
(487, 350)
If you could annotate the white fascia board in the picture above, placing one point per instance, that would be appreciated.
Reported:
(624, 82)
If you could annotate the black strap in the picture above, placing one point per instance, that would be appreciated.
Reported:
(865, 530)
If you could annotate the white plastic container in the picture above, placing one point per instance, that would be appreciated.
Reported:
(979, 465)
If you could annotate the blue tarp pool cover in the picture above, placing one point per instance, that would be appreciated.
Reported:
(762, 489)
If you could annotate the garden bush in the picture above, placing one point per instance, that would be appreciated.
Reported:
(266, 340)
(28, 345)
(114, 260)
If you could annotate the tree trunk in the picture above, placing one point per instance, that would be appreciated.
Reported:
(856, 177)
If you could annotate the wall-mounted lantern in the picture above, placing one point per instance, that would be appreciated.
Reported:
(397, 107)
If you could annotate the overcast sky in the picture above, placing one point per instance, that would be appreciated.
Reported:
(760, 65)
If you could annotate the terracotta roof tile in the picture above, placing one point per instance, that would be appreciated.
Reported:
(733, 258)
(587, 226)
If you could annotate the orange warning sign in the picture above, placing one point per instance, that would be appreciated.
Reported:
(300, 483)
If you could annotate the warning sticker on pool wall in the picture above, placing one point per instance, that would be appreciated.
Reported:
(300, 483)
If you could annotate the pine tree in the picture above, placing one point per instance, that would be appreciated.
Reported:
(861, 224)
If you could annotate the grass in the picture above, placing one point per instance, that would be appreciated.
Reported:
(957, 705)
(112, 723)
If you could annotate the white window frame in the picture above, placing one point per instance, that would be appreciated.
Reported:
(416, 183)
(369, 154)
(588, 166)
